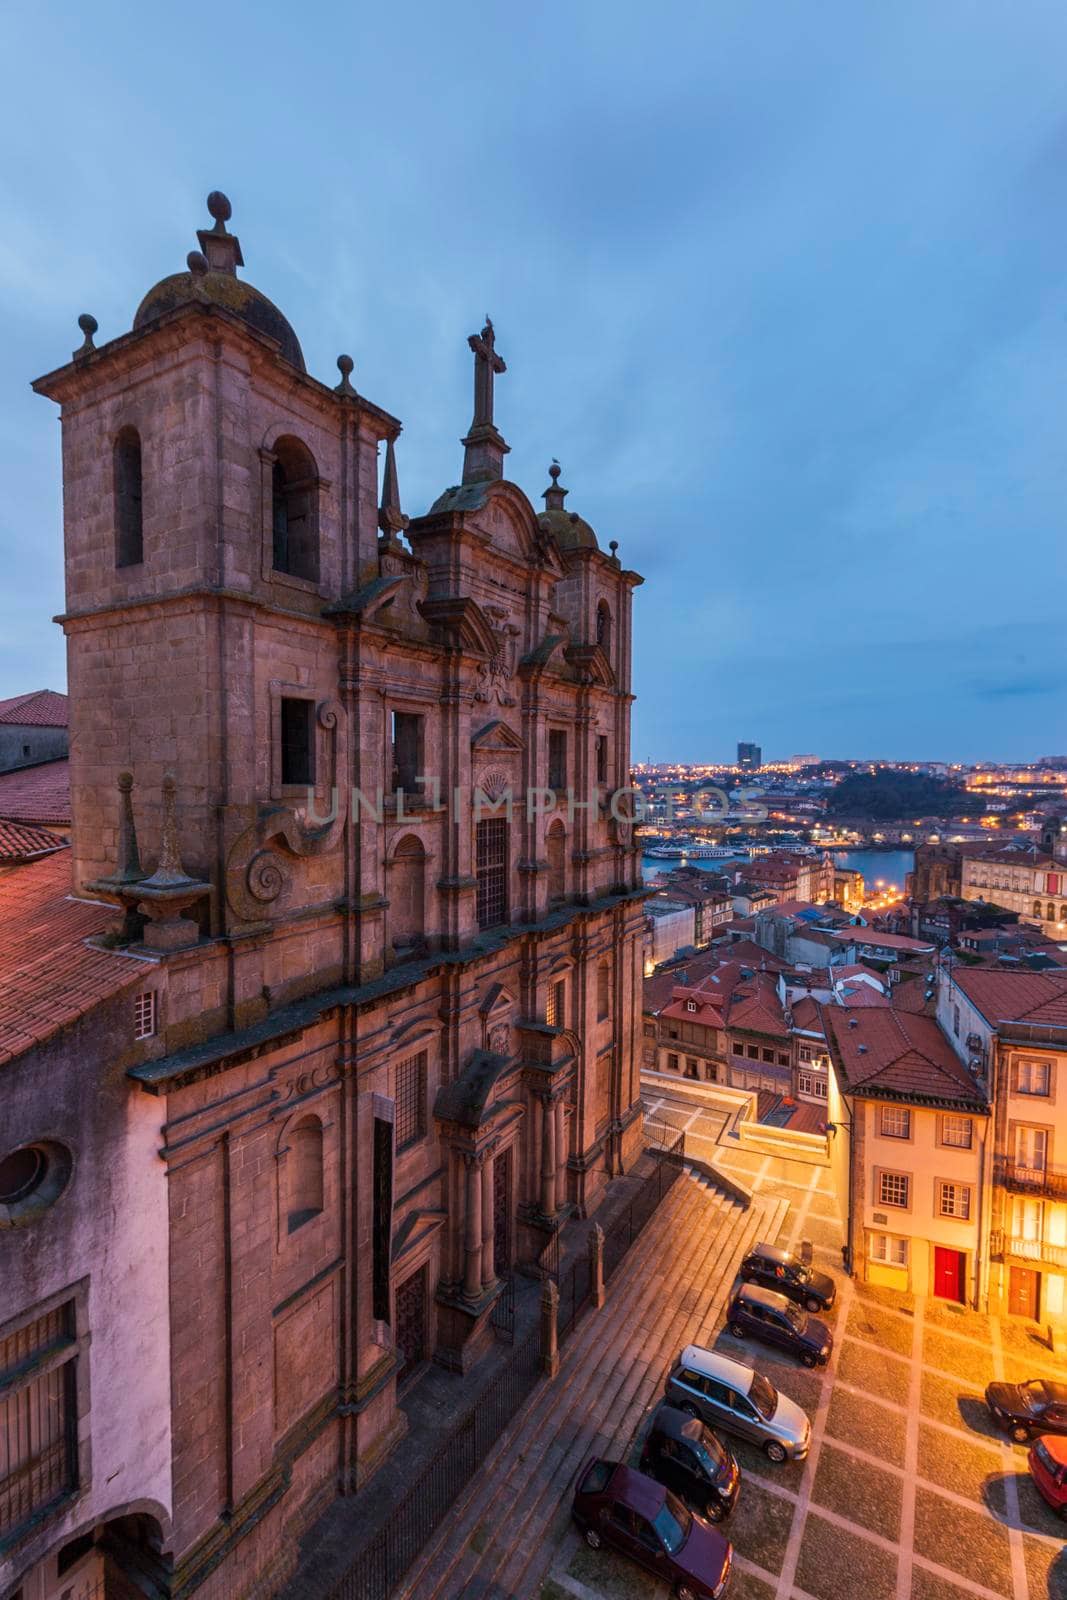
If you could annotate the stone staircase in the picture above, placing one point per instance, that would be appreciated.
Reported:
(500, 1536)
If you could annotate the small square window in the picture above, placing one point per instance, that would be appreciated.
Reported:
(894, 1189)
(144, 1015)
(895, 1122)
(954, 1200)
(956, 1131)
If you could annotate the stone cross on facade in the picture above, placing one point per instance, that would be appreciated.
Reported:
(486, 365)
(485, 448)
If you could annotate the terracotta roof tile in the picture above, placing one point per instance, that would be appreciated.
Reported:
(49, 976)
(21, 841)
(37, 794)
(892, 1054)
(41, 708)
(1006, 997)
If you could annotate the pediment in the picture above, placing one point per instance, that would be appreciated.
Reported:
(498, 738)
(460, 621)
(590, 661)
(549, 653)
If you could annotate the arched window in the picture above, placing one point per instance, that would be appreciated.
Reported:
(556, 852)
(603, 991)
(1037, 908)
(294, 510)
(603, 627)
(129, 522)
(407, 877)
(304, 1172)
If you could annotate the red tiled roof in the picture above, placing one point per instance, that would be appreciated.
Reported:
(887, 941)
(37, 794)
(20, 841)
(49, 976)
(892, 1054)
(806, 1015)
(1006, 997)
(751, 954)
(41, 708)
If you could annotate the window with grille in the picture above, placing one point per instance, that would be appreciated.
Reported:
(38, 1417)
(144, 1015)
(555, 1003)
(956, 1131)
(298, 745)
(411, 1100)
(894, 1189)
(954, 1200)
(894, 1122)
(491, 870)
(557, 760)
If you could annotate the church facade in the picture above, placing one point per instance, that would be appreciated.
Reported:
(355, 788)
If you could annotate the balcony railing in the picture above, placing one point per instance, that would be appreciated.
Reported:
(1047, 1181)
(1037, 1250)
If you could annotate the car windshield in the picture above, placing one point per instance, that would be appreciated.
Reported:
(711, 1452)
(798, 1318)
(797, 1271)
(672, 1522)
(1041, 1452)
(1036, 1391)
(763, 1395)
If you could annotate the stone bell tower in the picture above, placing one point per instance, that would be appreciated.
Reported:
(218, 499)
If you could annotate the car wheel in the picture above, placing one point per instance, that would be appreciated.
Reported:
(684, 1592)
(736, 1330)
(808, 1358)
(774, 1451)
(812, 1304)
(1021, 1435)
(593, 1539)
(715, 1511)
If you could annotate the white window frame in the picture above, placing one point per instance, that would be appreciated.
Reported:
(964, 1125)
(894, 1178)
(887, 1114)
(145, 1014)
(951, 1195)
(885, 1246)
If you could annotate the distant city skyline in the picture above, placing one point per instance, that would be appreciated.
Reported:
(793, 318)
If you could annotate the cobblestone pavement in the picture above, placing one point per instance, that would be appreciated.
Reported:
(909, 1493)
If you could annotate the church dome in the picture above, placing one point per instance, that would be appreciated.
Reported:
(212, 279)
(570, 531)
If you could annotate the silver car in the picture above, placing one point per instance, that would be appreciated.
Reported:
(731, 1396)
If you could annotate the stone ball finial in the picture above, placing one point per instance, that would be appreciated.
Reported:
(125, 782)
(220, 208)
(345, 366)
(613, 545)
(88, 325)
(196, 261)
(554, 470)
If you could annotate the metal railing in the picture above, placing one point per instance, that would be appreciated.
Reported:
(381, 1564)
(1047, 1181)
(1012, 1244)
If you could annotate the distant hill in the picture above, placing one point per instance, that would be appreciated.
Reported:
(891, 795)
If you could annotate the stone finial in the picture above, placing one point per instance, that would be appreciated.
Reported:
(484, 445)
(345, 366)
(391, 520)
(613, 545)
(169, 872)
(196, 261)
(554, 495)
(128, 864)
(170, 890)
(88, 325)
(221, 249)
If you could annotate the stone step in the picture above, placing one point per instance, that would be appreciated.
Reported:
(618, 1427)
(680, 1210)
(552, 1446)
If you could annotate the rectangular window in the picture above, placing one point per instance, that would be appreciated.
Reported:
(737, 1048)
(601, 758)
(956, 1021)
(805, 1052)
(410, 1100)
(753, 1052)
(1031, 1149)
(603, 991)
(38, 1417)
(783, 1060)
(672, 1063)
(383, 1217)
(894, 1122)
(557, 760)
(811, 1083)
(957, 1132)
(144, 1015)
(407, 751)
(491, 871)
(954, 1200)
(1033, 1077)
(894, 1189)
(555, 1004)
(298, 745)
(889, 1248)
(768, 1055)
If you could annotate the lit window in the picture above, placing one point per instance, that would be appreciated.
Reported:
(144, 1015)
(1033, 1078)
(411, 1100)
(894, 1189)
(554, 1005)
(690, 1005)
(956, 1131)
(895, 1122)
(954, 1200)
(889, 1248)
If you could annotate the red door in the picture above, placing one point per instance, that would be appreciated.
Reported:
(949, 1273)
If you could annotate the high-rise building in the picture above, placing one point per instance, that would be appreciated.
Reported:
(749, 757)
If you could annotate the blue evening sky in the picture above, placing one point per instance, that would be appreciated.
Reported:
(784, 287)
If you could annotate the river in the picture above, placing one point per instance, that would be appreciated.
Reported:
(892, 866)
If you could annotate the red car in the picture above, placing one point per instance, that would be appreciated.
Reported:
(1048, 1468)
(616, 1506)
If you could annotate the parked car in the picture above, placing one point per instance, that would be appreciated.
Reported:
(1047, 1461)
(778, 1269)
(614, 1505)
(1026, 1409)
(727, 1394)
(763, 1314)
(683, 1453)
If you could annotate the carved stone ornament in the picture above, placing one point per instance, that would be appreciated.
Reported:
(495, 674)
(500, 1038)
